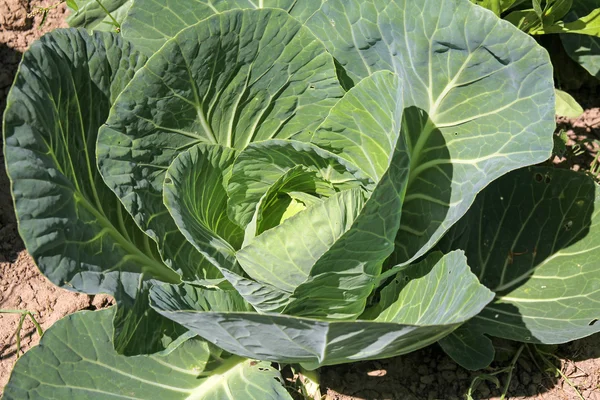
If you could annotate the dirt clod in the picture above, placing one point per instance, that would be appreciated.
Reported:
(14, 15)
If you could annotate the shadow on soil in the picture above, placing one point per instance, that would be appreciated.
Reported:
(583, 349)
(10, 242)
(10, 349)
(429, 374)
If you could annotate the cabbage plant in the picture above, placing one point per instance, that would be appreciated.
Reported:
(292, 182)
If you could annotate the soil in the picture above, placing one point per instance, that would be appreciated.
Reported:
(583, 142)
(430, 374)
(425, 374)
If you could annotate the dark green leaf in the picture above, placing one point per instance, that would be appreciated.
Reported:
(72, 224)
(469, 348)
(532, 237)
(557, 10)
(76, 361)
(537, 8)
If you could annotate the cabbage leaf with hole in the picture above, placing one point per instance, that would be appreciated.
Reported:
(532, 238)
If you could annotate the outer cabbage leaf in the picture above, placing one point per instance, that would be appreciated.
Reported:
(316, 343)
(408, 301)
(532, 238)
(468, 347)
(93, 16)
(232, 79)
(583, 49)
(75, 228)
(150, 23)
(487, 89)
(75, 360)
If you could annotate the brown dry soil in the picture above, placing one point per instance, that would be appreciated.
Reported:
(425, 374)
